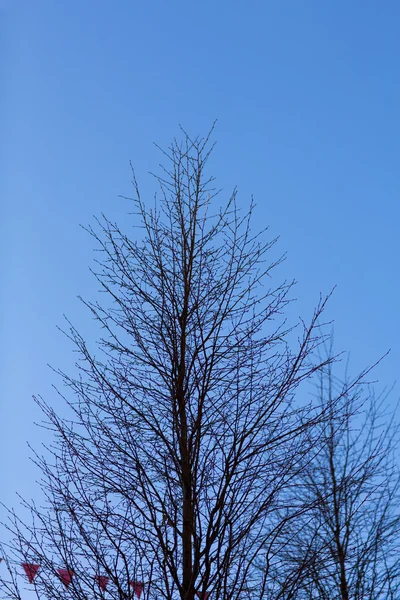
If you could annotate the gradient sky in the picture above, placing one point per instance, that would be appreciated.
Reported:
(307, 98)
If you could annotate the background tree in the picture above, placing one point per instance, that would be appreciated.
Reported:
(185, 432)
(347, 547)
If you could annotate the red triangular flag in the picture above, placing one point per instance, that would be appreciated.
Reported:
(137, 587)
(30, 571)
(102, 580)
(203, 596)
(65, 576)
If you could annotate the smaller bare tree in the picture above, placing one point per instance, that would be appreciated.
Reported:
(347, 546)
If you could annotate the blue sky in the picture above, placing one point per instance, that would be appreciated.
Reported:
(307, 98)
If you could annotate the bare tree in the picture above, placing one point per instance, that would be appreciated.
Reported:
(347, 546)
(185, 430)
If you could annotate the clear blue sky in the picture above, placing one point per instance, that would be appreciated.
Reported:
(307, 97)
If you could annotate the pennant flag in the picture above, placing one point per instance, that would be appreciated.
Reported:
(102, 580)
(203, 596)
(137, 587)
(65, 576)
(30, 571)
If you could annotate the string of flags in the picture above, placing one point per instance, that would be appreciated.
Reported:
(66, 576)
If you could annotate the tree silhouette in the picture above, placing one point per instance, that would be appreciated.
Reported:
(186, 430)
(347, 545)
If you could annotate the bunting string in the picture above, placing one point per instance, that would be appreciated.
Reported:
(66, 575)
